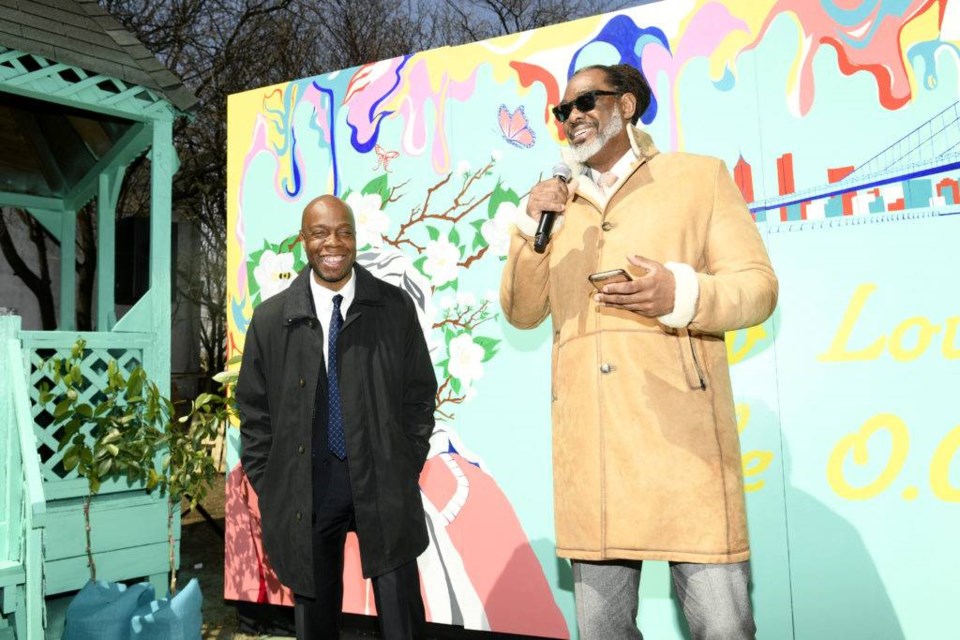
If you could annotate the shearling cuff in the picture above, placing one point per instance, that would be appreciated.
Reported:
(528, 226)
(686, 294)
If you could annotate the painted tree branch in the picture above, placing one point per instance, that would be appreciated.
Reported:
(478, 317)
(466, 263)
(446, 395)
(460, 207)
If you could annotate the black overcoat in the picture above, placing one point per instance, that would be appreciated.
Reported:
(388, 390)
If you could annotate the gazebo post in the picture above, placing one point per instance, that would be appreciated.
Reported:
(68, 271)
(108, 193)
(163, 160)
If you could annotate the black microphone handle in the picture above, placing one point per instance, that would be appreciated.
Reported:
(543, 231)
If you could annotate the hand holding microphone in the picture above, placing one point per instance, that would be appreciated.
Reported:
(548, 198)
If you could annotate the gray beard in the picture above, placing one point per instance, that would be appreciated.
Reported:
(587, 150)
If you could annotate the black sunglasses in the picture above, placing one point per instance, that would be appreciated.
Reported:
(583, 102)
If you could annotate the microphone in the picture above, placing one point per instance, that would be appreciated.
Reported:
(547, 218)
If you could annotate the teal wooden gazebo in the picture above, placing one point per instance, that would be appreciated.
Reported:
(80, 99)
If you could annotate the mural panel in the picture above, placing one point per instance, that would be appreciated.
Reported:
(839, 122)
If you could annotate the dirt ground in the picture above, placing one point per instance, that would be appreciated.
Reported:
(201, 557)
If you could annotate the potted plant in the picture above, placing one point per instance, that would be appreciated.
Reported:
(129, 433)
(116, 437)
(188, 469)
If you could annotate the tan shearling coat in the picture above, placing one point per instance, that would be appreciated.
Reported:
(646, 455)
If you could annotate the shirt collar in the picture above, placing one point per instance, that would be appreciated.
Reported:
(323, 297)
(620, 168)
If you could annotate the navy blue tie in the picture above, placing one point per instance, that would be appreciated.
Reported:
(335, 438)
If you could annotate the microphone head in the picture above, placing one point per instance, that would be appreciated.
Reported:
(562, 171)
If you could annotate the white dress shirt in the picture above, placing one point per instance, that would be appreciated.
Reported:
(323, 304)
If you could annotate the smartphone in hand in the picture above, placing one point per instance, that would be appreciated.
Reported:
(608, 277)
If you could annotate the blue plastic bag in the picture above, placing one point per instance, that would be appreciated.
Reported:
(102, 610)
(176, 618)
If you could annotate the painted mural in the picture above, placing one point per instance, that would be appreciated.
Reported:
(839, 121)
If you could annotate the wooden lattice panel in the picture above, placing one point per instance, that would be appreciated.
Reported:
(94, 368)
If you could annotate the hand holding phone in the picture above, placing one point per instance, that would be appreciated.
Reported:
(608, 277)
(651, 294)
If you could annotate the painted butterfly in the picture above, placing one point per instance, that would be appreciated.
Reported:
(384, 157)
(515, 128)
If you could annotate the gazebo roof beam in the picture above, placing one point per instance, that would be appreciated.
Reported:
(133, 143)
(26, 201)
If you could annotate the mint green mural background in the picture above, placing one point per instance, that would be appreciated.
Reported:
(729, 83)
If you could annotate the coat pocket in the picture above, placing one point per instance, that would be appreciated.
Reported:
(693, 366)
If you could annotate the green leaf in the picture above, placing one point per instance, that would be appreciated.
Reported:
(454, 237)
(134, 386)
(418, 264)
(227, 377)
(71, 459)
(478, 242)
(496, 198)
(288, 243)
(68, 432)
(62, 407)
(489, 347)
(433, 232)
(477, 224)
(94, 484)
(377, 186)
(234, 360)
(455, 384)
(104, 467)
(203, 399)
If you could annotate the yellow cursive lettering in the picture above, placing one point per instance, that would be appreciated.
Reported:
(950, 347)
(755, 463)
(856, 443)
(751, 336)
(838, 351)
(940, 467)
(925, 332)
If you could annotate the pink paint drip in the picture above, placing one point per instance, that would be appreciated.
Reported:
(369, 86)
(878, 48)
(706, 30)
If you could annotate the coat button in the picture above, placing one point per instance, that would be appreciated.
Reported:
(302, 382)
(299, 516)
(606, 226)
(606, 367)
(300, 449)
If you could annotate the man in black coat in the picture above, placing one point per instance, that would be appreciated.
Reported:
(336, 396)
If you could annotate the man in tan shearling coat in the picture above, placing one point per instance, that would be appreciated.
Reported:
(646, 455)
